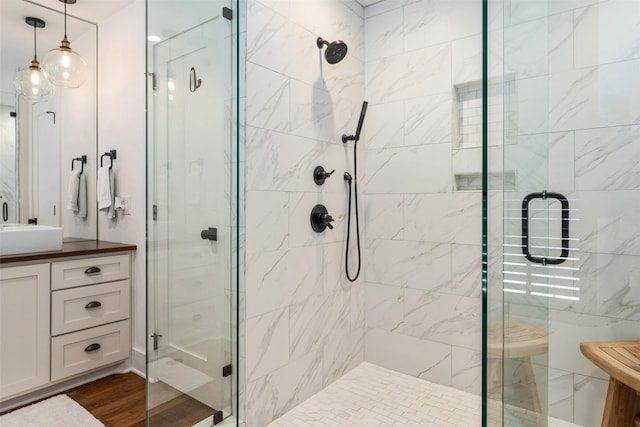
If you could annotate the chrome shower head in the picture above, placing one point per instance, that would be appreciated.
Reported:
(336, 51)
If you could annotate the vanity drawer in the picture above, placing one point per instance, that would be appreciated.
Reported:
(67, 274)
(89, 306)
(71, 354)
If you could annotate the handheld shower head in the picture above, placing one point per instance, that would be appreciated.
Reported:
(336, 51)
(356, 137)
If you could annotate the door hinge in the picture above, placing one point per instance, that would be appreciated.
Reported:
(155, 212)
(227, 371)
(154, 82)
(227, 13)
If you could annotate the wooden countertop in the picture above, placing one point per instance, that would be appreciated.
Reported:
(72, 248)
(619, 359)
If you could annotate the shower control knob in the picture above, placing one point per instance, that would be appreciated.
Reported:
(320, 175)
(320, 219)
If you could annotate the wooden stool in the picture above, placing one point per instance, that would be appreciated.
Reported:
(515, 339)
(621, 360)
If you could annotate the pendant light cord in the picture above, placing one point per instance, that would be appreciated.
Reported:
(35, 53)
(65, 19)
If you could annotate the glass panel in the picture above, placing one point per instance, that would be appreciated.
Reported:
(190, 230)
(570, 126)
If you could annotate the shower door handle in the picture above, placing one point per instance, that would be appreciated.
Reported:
(544, 195)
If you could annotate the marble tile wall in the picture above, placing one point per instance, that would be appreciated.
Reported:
(577, 133)
(423, 254)
(304, 321)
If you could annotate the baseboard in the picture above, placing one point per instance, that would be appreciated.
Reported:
(138, 362)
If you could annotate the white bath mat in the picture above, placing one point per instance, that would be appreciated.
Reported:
(58, 411)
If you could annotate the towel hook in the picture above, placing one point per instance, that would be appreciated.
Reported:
(111, 155)
(82, 159)
(194, 81)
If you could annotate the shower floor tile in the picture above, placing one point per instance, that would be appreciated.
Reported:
(373, 396)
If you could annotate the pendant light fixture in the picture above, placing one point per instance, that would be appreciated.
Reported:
(32, 82)
(64, 66)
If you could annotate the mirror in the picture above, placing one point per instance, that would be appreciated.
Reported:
(39, 140)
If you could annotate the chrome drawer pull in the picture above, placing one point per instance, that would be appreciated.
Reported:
(92, 270)
(92, 347)
(93, 304)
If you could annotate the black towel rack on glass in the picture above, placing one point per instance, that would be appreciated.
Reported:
(82, 159)
(544, 195)
(111, 154)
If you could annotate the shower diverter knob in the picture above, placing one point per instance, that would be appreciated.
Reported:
(320, 219)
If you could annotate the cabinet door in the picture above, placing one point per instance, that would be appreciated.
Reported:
(24, 328)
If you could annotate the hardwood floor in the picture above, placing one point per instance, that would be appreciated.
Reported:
(119, 401)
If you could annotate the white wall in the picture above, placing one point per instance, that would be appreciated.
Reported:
(121, 126)
(423, 306)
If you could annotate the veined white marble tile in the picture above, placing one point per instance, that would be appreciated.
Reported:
(466, 59)
(342, 355)
(384, 6)
(444, 318)
(518, 11)
(528, 101)
(409, 264)
(608, 158)
(610, 285)
(332, 20)
(267, 216)
(417, 169)
(561, 162)
(430, 22)
(383, 216)
(466, 270)
(409, 355)
(283, 7)
(358, 313)
(412, 74)
(274, 394)
(466, 370)
(428, 119)
(588, 390)
(457, 215)
(561, 42)
(268, 100)
(316, 321)
(607, 32)
(384, 35)
(384, 125)
(385, 307)
(526, 48)
(273, 284)
(606, 221)
(314, 114)
(560, 394)
(280, 161)
(558, 6)
(267, 343)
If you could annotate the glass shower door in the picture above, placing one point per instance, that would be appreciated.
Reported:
(189, 244)
(565, 267)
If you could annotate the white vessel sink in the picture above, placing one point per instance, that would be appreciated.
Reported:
(22, 239)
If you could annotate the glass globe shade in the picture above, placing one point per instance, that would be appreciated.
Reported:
(65, 67)
(32, 82)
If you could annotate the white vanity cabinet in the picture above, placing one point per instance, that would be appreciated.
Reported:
(89, 314)
(62, 317)
(24, 328)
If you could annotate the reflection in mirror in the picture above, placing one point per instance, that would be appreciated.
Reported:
(37, 146)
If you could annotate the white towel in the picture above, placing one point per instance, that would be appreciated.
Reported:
(105, 191)
(73, 191)
(82, 197)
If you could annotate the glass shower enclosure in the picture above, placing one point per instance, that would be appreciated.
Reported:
(563, 233)
(189, 249)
